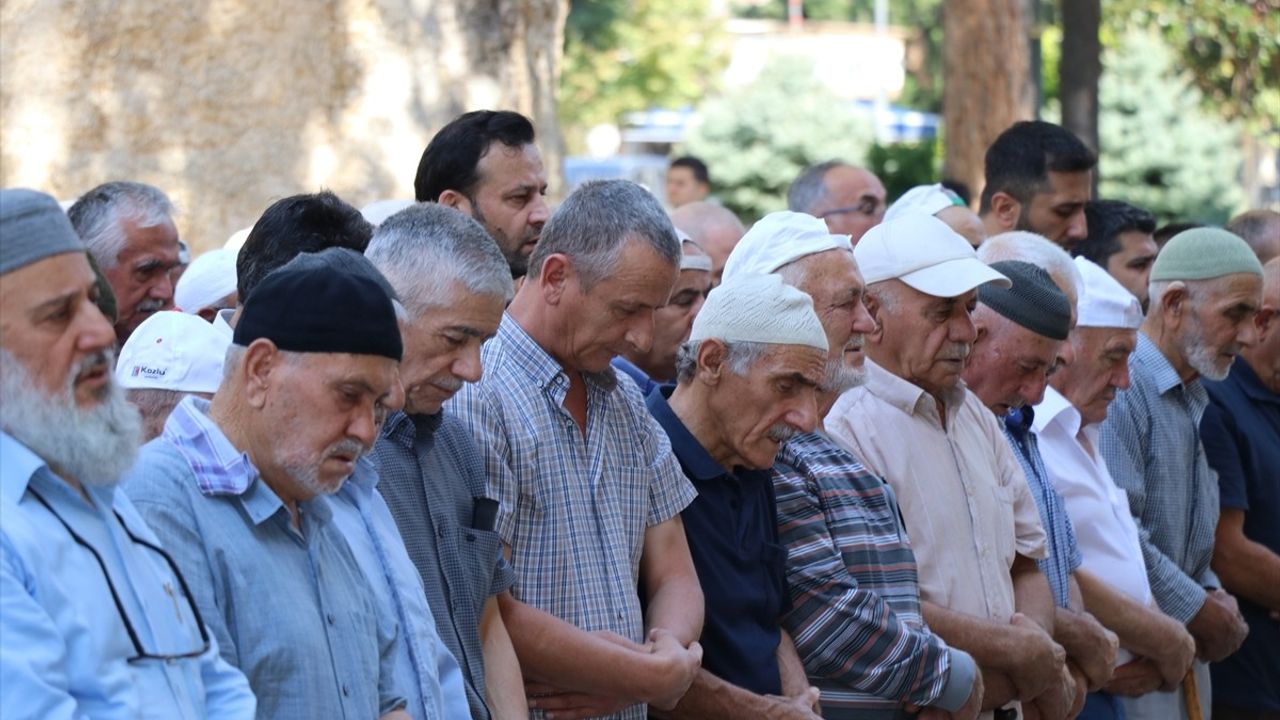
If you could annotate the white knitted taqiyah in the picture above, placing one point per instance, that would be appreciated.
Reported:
(780, 238)
(921, 199)
(759, 309)
(208, 279)
(1104, 301)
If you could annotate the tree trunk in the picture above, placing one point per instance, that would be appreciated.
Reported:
(1080, 68)
(230, 105)
(987, 81)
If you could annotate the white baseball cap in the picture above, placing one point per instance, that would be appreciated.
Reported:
(172, 351)
(923, 252)
(780, 238)
(761, 309)
(209, 278)
(1104, 302)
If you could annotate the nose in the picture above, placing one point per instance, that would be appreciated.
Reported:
(1248, 333)
(540, 212)
(163, 287)
(364, 425)
(1079, 227)
(640, 332)
(468, 366)
(1032, 391)
(1066, 353)
(805, 413)
(862, 320)
(1120, 379)
(96, 333)
(963, 330)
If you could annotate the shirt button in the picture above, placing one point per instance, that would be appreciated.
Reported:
(330, 618)
(346, 690)
(440, 533)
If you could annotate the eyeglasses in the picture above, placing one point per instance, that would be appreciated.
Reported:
(868, 207)
(124, 617)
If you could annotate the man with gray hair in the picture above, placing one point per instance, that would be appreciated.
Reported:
(454, 283)
(1261, 229)
(589, 491)
(1206, 288)
(128, 227)
(850, 199)
(747, 380)
(714, 228)
(97, 620)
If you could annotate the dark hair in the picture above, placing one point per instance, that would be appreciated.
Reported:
(696, 166)
(960, 188)
(295, 225)
(1166, 233)
(450, 160)
(1019, 161)
(1106, 220)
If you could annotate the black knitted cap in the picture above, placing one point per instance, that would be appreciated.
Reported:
(1033, 301)
(317, 308)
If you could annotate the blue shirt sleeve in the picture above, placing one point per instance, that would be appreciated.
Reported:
(1218, 432)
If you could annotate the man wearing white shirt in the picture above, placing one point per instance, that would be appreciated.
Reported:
(1155, 650)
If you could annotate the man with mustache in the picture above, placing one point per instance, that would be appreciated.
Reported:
(964, 498)
(1206, 290)
(855, 622)
(96, 621)
(454, 284)
(235, 486)
(485, 163)
(128, 226)
(590, 494)
(1155, 651)
(747, 380)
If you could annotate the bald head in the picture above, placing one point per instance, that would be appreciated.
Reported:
(850, 199)
(1261, 229)
(714, 228)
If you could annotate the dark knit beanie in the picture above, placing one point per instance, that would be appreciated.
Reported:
(1033, 301)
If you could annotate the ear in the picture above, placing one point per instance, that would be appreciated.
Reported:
(455, 200)
(1173, 304)
(1006, 210)
(711, 361)
(261, 360)
(556, 275)
(872, 303)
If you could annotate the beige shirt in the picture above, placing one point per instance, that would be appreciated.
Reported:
(963, 495)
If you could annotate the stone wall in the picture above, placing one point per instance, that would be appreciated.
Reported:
(228, 105)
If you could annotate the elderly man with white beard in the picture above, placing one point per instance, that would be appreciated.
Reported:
(236, 488)
(79, 568)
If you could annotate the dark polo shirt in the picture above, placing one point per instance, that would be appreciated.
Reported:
(1241, 435)
(733, 537)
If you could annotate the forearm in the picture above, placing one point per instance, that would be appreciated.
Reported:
(794, 678)
(1136, 625)
(677, 606)
(557, 653)
(504, 685)
(991, 644)
(710, 698)
(1249, 570)
(1031, 593)
(998, 689)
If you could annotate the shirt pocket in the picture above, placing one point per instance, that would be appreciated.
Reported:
(1001, 534)
(478, 551)
(773, 569)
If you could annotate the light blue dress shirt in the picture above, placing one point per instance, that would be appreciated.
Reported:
(289, 606)
(63, 644)
(426, 673)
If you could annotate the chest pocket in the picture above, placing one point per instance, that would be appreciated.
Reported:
(478, 552)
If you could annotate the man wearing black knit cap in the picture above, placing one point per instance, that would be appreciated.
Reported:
(1020, 330)
(232, 487)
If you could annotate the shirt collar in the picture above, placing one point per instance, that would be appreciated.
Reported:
(1056, 408)
(1159, 369)
(907, 396)
(19, 465)
(1251, 384)
(220, 468)
(537, 363)
(404, 429)
(364, 477)
(694, 458)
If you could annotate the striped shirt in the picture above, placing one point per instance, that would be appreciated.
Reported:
(1063, 552)
(1151, 442)
(855, 595)
(574, 508)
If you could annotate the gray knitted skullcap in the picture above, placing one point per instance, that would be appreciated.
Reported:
(1033, 301)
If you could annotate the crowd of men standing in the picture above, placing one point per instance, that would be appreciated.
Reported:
(468, 457)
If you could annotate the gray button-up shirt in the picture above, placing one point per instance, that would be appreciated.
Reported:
(432, 478)
(290, 607)
(1151, 443)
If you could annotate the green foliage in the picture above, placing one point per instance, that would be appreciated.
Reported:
(757, 139)
(628, 55)
(1160, 150)
(1232, 49)
(903, 166)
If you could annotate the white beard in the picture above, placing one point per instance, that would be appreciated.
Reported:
(92, 446)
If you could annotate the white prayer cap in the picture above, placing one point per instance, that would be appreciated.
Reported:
(209, 278)
(379, 210)
(923, 199)
(921, 251)
(1104, 301)
(780, 238)
(760, 309)
(172, 351)
(236, 241)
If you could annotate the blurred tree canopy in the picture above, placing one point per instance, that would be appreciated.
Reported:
(757, 139)
(626, 55)
(1232, 49)
(1186, 169)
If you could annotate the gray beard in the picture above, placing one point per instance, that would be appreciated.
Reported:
(92, 446)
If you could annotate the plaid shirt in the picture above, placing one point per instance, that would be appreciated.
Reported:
(1064, 553)
(573, 508)
(1151, 443)
(855, 596)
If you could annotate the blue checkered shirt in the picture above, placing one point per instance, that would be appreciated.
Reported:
(1151, 443)
(1064, 553)
(573, 508)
